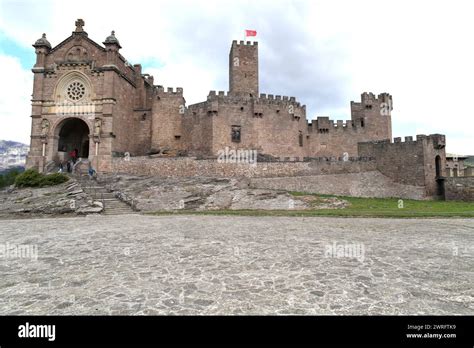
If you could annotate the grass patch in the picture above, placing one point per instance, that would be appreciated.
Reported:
(359, 207)
(31, 178)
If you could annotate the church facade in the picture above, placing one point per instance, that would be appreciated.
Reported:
(87, 97)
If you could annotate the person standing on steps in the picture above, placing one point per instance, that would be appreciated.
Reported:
(92, 173)
(73, 155)
(76, 153)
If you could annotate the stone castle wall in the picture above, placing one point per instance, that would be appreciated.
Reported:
(167, 114)
(363, 184)
(459, 188)
(352, 178)
(410, 162)
(188, 167)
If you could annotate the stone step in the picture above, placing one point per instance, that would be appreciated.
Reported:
(116, 205)
(99, 193)
(115, 201)
(112, 205)
(117, 209)
(111, 210)
(106, 198)
(119, 213)
(87, 189)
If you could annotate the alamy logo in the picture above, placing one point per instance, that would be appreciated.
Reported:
(347, 250)
(386, 108)
(22, 251)
(37, 331)
(237, 156)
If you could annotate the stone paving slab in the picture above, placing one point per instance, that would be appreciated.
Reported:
(144, 265)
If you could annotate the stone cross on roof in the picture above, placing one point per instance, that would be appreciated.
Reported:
(79, 24)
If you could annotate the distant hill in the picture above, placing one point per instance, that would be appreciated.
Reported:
(12, 154)
(469, 161)
(6, 145)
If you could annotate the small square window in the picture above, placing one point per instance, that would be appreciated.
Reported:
(236, 132)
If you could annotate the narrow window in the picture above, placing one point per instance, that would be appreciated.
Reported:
(236, 134)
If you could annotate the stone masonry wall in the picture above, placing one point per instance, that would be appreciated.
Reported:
(188, 167)
(364, 184)
(398, 161)
(410, 162)
(459, 188)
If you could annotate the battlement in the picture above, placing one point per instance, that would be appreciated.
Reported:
(438, 141)
(244, 43)
(170, 91)
(279, 100)
(263, 99)
(148, 78)
(322, 124)
(368, 100)
(277, 97)
(213, 94)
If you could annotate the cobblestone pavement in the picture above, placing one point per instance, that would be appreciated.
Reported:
(136, 264)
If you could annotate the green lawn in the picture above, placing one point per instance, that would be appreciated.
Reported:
(360, 207)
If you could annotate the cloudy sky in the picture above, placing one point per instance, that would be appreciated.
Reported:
(325, 53)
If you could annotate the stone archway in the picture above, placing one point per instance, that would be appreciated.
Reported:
(73, 134)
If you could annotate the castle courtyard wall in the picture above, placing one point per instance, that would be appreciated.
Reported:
(363, 184)
(459, 188)
(189, 167)
(352, 178)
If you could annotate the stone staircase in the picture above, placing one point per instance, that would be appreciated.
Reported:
(99, 192)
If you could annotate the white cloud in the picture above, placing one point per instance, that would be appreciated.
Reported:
(15, 97)
(325, 53)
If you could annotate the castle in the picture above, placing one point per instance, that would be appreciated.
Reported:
(88, 97)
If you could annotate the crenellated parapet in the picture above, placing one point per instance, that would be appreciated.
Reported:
(168, 92)
(244, 43)
(438, 141)
(267, 99)
(370, 98)
(324, 125)
(381, 104)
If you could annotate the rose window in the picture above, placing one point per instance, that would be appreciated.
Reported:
(76, 91)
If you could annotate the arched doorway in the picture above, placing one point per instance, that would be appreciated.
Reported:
(74, 134)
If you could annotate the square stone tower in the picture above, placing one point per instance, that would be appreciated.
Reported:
(243, 69)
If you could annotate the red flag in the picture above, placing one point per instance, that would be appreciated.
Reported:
(250, 33)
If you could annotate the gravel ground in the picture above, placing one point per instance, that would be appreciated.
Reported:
(143, 265)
